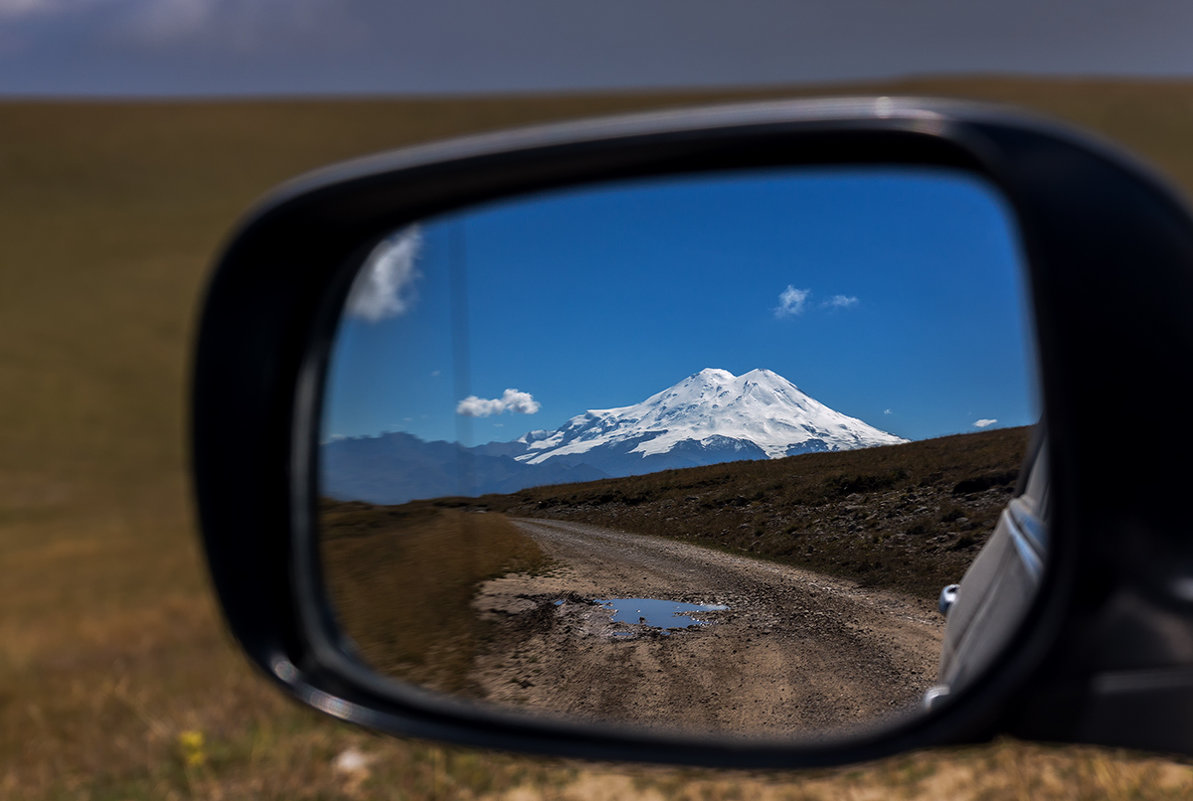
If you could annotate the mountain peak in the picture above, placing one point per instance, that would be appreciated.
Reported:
(757, 414)
(712, 374)
(721, 375)
(710, 417)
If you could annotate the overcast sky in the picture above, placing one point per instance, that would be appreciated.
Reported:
(133, 47)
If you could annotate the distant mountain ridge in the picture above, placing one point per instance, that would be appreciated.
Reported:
(709, 417)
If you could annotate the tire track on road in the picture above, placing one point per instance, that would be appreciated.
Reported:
(797, 653)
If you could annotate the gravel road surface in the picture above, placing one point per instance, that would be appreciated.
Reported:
(795, 653)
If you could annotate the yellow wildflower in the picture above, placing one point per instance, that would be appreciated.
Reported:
(191, 743)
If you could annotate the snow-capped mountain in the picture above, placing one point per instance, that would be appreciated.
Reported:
(708, 417)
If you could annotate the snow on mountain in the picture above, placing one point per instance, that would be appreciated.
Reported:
(708, 418)
(756, 414)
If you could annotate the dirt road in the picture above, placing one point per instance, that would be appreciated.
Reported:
(794, 653)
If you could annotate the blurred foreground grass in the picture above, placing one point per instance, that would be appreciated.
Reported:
(116, 679)
(402, 581)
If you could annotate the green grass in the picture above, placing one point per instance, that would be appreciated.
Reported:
(110, 646)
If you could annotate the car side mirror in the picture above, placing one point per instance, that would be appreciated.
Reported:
(389, 553)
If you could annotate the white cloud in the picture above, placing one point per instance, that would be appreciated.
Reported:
(886, 411)
(792, 301)
(384, 286)
(841, 302)
(985, 421)
(512, 400)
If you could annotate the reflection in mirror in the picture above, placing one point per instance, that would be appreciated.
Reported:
(694, 453)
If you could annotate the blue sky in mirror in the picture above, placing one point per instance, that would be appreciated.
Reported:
(891, 295)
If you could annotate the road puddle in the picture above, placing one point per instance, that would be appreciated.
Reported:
(658, 613)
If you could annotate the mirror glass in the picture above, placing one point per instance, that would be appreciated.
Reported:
(695, 453)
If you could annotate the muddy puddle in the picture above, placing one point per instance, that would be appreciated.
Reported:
(659, 614)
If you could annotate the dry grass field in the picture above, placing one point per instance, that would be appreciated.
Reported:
(116, 678)
(402, 581)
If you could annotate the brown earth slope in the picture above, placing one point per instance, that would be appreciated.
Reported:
(904, 517)
(828, 564)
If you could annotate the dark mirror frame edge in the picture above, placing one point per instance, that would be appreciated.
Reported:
(1104, 655)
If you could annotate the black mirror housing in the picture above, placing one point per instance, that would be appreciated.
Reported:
(1106, 655)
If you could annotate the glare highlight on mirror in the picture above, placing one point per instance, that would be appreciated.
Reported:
(696, 453)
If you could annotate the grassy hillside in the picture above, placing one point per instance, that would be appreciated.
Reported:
(906, 517)
(116, 680)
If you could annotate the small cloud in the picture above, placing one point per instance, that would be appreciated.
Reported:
(383, 287)
(792, 301)
(840, 302)
(886, 411)
(985, 421)
(512, 400)
(435, 373)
